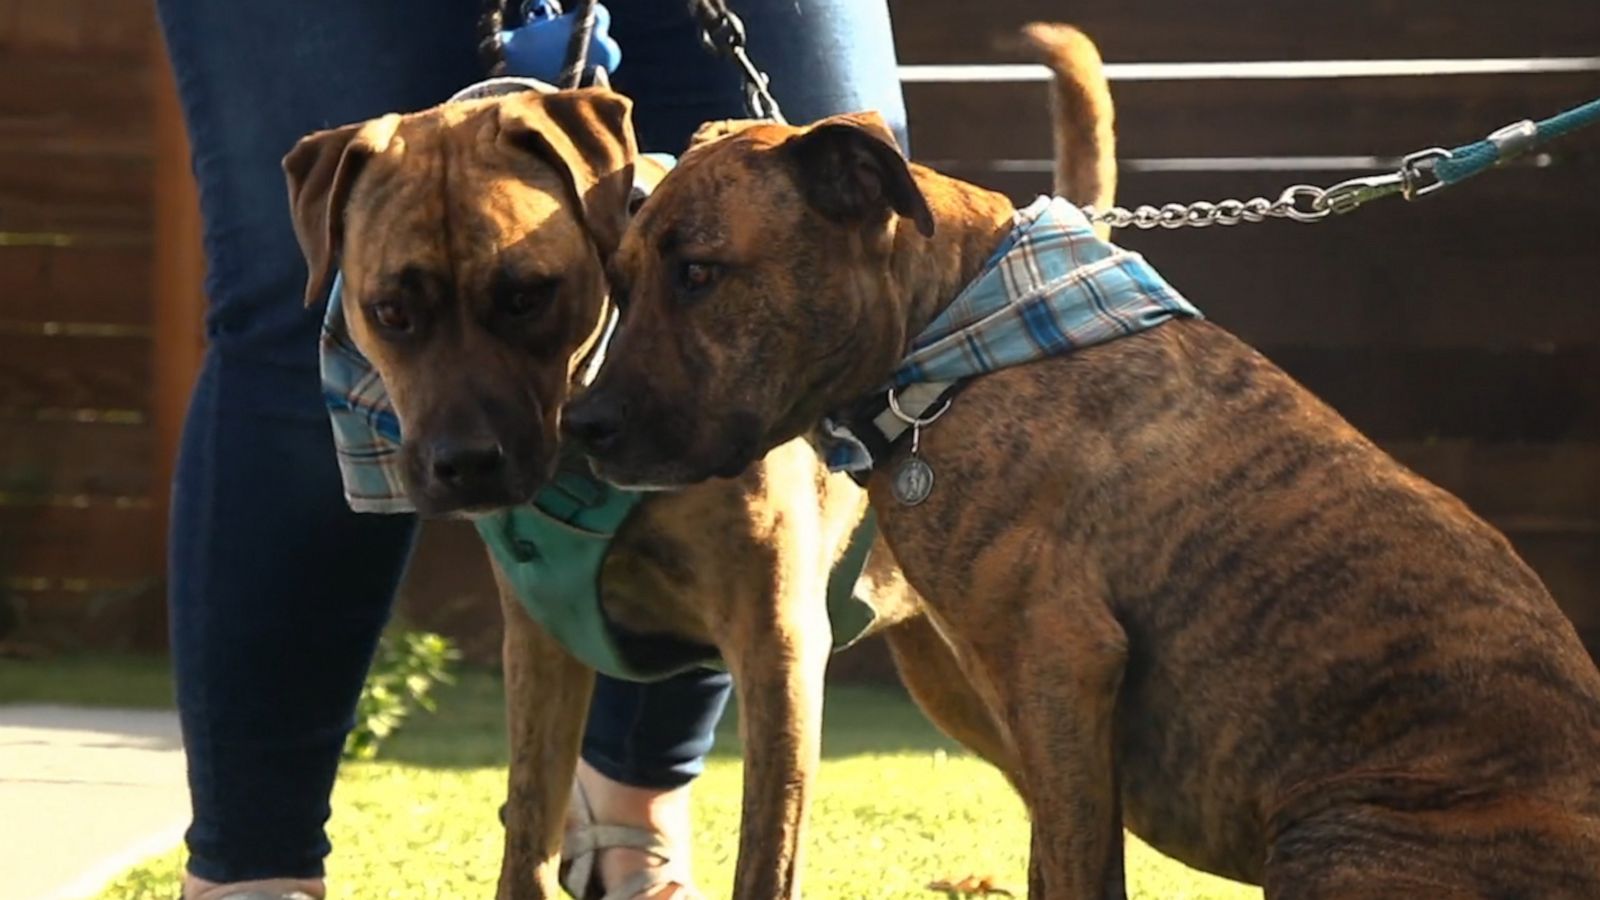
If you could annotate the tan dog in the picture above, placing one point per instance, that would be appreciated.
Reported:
(1196, 600)
(472, 239)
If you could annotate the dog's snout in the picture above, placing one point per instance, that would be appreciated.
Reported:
(595, 423)
(468, 464)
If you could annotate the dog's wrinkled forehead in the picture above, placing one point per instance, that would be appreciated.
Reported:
(729, 175)
(451, 196)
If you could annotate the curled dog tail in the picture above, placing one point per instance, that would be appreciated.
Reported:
(1086, 151)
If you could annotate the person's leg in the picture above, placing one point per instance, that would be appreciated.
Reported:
(644, 743)
(278, 590)
(825, 57)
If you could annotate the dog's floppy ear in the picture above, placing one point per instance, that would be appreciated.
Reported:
(321, 169)
(851, 170)
(588, 134)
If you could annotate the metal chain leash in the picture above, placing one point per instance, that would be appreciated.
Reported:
(577, 59)
(1201, 214)
(1305, 203)
(722, 34)
(491, 54)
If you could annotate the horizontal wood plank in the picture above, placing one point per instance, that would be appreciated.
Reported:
(118, 30)
(1569, 565)
(53, 372)
(73, 105)
(73, 458)
(1251, 118)
(127, 615)
(43, 191)
(75, 142)
(98, 542)
(1514, 484)
(1480, 395)
(75, 284)
(945, 31)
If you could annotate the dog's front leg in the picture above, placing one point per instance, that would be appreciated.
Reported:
(1055, 673)
(777, 651)
(547, 699)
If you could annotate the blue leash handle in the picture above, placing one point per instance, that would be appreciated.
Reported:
(537, 49)
(1511, 142)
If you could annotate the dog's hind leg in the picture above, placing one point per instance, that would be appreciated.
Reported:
(934, 677)
(547, 697)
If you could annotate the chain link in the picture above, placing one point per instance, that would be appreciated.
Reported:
(1299, 203)
(722, 33)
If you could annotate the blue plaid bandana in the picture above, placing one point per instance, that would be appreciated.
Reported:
(1052, 287)
(366, 431)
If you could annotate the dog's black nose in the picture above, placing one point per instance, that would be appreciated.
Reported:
(466, 464)
(595, 423)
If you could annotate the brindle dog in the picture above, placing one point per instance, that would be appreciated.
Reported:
(1197, 601)
(472, 239)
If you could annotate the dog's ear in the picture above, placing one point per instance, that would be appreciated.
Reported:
(321, 169)
(851, 170)
(588, 134)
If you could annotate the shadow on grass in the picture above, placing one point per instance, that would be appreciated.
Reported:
(468, 729)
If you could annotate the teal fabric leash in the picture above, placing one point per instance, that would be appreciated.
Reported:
(1511, 142)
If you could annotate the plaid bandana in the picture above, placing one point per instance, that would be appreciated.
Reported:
(1052, 287)
(366, 431)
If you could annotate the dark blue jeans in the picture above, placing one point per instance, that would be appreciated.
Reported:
(278, 590)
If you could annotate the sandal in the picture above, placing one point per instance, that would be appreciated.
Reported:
(270, 889)
(580, 857)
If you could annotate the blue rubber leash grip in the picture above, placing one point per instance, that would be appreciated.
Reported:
(538, 48)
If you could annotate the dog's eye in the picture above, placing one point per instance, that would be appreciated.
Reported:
(520, 303)
(697, 276)
(389, 315)
(526, 300)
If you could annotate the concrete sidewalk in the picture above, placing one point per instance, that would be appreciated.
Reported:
(84, 794)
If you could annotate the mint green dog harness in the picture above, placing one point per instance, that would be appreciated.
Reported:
(552, 550)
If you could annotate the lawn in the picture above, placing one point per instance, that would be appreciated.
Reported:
(897, 806)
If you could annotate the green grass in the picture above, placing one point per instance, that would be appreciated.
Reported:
(141, 682)
(897, 806)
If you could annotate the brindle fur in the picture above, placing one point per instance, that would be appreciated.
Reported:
(1194, 598)
(442, 210)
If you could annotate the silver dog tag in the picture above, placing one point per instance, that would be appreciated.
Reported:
(913, 478)
(913, 481)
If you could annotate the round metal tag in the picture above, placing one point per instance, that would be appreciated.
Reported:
(913, 481)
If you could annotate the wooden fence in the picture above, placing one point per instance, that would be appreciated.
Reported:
(1463, 332)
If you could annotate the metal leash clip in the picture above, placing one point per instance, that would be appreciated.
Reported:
(1409, 181)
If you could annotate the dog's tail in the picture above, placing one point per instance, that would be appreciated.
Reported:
(1086, 151)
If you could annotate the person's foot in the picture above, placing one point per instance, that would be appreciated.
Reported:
(196, 888)
(663, 813)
